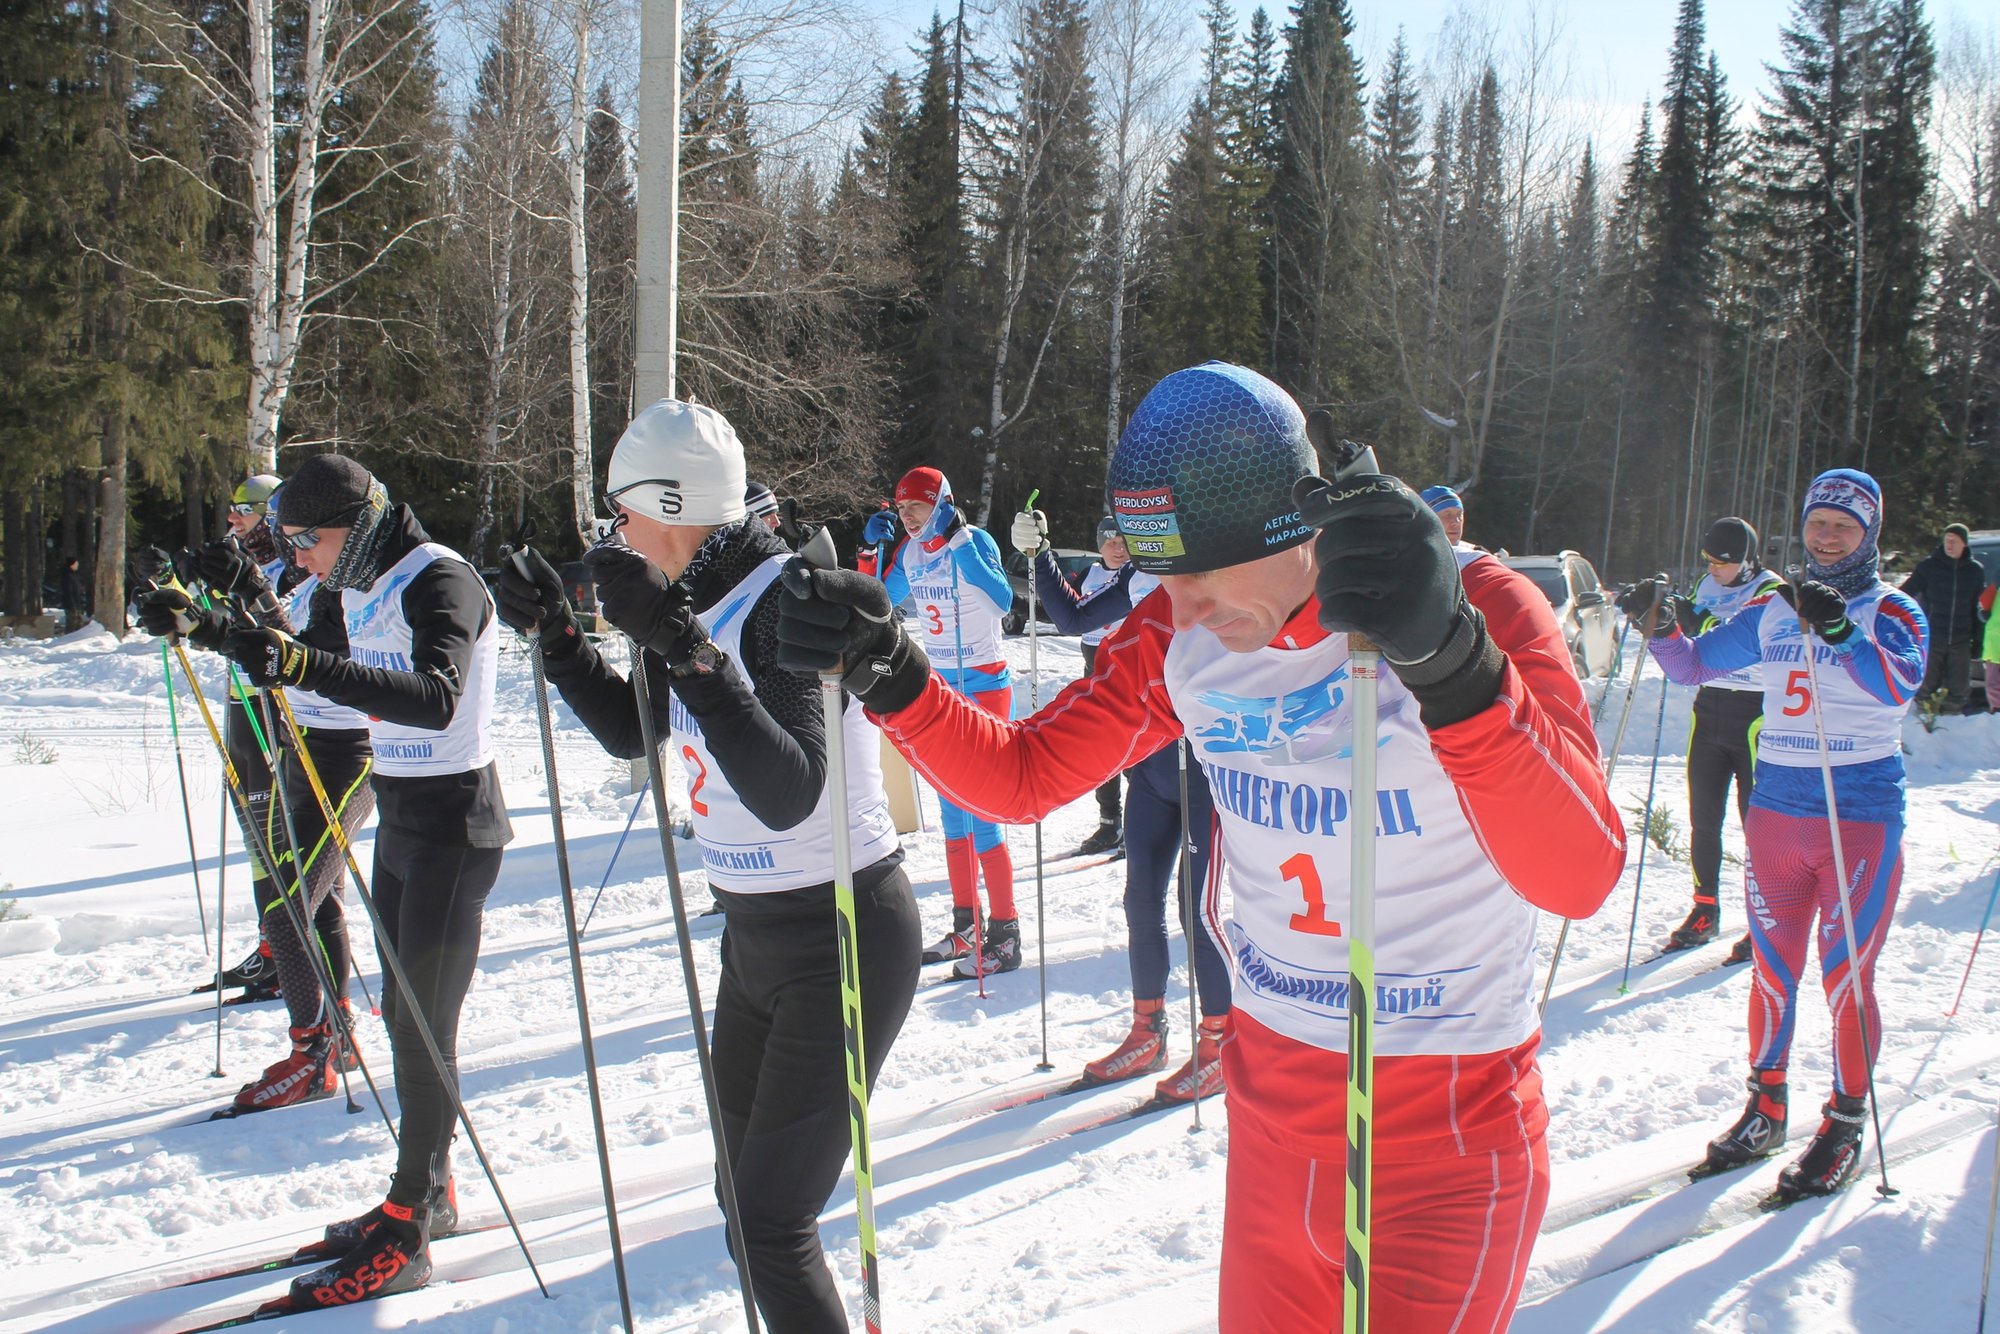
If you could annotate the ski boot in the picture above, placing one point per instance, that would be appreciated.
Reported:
(1143, 1051)
(1107, 839)
(310, 1072)
(344, 1236)
(1834, 1157)
(1740, 952)
(350, 1059)
(956, 943)
(1000, 952)
(1201, 1077)
(1758, 1133)
(257, 969)
(393, 1254)
(1700, 927)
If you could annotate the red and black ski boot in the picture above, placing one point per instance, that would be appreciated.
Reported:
(1834, 1157)
(1758, 1133)
(1699, 928)
(1143, 1051)
(956, 943)
(1740, 952)
(348, 1233)
(309, 1072)
(392, 1255)
(1201, 1077)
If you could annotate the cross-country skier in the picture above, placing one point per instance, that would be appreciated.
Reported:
(1491, 804)
(1867, 642)
(1722, 735)
(420, 664)
(1151, 834)
(697, 586)
(950, 572)
(340, 752)
(1114, 566)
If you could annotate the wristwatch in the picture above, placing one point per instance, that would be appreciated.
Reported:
(705, 659)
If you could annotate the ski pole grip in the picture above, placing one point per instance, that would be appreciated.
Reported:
(518, 558)
(820, 554)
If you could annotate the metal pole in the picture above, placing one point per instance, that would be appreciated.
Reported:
(1983, 921)
(1188, 916)
(187, 812)
(656, 332)
(1364, 666)
(1041, 912)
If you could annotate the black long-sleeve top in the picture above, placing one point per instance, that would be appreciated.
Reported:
(762, 724)
(1069, 610)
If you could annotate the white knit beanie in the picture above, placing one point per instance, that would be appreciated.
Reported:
(679, 463)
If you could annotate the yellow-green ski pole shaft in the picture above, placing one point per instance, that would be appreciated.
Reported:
(1364, 668)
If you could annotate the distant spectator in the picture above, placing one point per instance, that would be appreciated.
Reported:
(75, 596)
(1947, 585)
(1449, 506)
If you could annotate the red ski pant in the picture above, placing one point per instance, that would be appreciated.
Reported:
(1796, 902)
(1451, 1238)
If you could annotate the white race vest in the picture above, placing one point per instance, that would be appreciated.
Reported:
(742, 854)
(1726, 604)
(1455, 945)
(1859, 727)
(952, 615)
(379, 635)
(1097, 576)
(314, 710)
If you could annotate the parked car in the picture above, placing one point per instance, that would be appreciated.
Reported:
(1073, 561)
(1985, 545)
(1583, 608)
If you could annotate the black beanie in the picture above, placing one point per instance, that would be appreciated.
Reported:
(1730, 541)
(325, 487)
(1964, 533)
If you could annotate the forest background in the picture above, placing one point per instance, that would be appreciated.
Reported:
(237, 232)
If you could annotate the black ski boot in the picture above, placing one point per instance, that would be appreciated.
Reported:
(258, 967)
(1758, 1133)
(957, 943)
(1740, 952)
(999, 953)
(1834, 1157)
(1106, 839)
(1701, 926)
(344, 1236)
(393, 1255)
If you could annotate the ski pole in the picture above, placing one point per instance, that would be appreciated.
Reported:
(1854, 964)
(1952, 1013)
(725, 1173)
(819, 553)
(978, 919)
(221, 883)
(180, 770)
(1186, 879)
(576, 956)
(638, 804)
(392, 966)
(1610, 768)
(1992, 1207)
(1645, 840)
(1041, 914)
(1364, 668)
(1617, 659)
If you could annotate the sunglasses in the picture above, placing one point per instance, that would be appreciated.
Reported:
(244, 508)
(308, 538)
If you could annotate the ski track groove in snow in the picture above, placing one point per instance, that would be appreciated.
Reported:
(988, 1222)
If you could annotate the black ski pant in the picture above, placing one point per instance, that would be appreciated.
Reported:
(341, 759)
(781, 1069)
(1722, 746)
(1107, 791)
(1152, 855)
(432, 898)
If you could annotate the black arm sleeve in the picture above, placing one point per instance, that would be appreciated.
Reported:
(1069, 611)
(447, 609)
(603, 701)
(763, 724)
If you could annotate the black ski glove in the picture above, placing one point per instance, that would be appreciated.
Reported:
(273, 658)
(841, 620)
(1651, 602)
(169, 611)
(1688, 617)
(151, 564)
(529, 596)
(1820, 606)
(228, 569)
(637, 597)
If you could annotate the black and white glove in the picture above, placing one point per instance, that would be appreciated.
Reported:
(641, 601)
(1651, 605)
(529, 596)
(1030, 533)
(151, 565)
(1820, 606)
(273, 658)
(841, 620)
(170, 611)
(227, 568)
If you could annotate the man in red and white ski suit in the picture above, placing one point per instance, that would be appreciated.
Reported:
(1491, 805)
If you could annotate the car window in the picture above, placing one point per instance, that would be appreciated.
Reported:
(1582, 576)
(1986, 550)
(1550, 580)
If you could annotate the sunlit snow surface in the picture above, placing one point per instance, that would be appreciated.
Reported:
(110, 1188)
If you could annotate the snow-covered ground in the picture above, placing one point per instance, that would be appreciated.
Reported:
(112, 1186)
